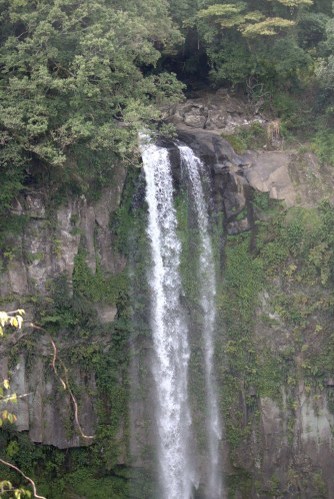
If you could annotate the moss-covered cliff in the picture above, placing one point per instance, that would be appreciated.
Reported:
(79, 268)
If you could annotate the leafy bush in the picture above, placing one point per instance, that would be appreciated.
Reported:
(323, 145)
(250, 137)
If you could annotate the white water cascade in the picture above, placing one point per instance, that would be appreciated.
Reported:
(207, 291)
(169, 328)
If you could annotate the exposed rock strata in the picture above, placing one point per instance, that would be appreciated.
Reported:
(217, 111)
(295, 178)
(45, 250)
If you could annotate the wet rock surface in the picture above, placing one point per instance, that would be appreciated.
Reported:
(44, 409)
(51, 241)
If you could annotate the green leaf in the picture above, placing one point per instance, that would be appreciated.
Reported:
(271, 26)
(295, 3)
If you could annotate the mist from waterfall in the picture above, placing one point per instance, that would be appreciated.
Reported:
(169, 329)
(207, 293)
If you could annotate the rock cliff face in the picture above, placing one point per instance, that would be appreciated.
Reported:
(45, 249)
(290, 448)
(295, 178)
(284, 440)
(285, 173)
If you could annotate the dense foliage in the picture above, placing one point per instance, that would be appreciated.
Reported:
(78, 79)
(278, 53)
(270, 40)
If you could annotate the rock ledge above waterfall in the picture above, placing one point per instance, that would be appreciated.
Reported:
(292, 176)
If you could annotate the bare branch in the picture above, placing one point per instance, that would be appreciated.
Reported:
(64, 380)
(10, 465)
(8, 398)
(75, 405)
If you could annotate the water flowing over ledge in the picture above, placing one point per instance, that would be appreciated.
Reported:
(169, 328)
(207, 290)
(169, 325)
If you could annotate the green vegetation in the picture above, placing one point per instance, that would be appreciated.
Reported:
(73, 77)
(78, 80)
(235, 37)
(97, 287)
(60, 473)
(278, 53)
(248, 137)
(276, 306)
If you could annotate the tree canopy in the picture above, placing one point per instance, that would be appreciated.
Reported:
(79, 73)
(79, 78)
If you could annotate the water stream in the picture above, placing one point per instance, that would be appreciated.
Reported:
(207, 292)
(170, 328)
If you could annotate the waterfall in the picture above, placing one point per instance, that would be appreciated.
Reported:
(207, 291)
(169, 328)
